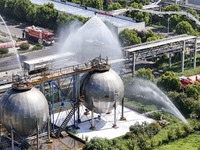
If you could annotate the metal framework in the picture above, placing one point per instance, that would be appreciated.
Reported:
(178, 44)
(67, 99)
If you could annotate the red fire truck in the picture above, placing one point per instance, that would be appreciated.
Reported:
(185, 81)
(41, 35)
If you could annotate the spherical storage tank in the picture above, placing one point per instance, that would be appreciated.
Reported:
(24, 109)
(102, 90)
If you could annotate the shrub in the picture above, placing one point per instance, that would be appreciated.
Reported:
(169, 81)
(24, 46)
(37, 47)
(98, 144)
(4, 50)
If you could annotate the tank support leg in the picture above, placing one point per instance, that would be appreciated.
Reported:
(42, 87)
(37, 137)
(122, 117)
(12, 138)
(0, 134)
(115, 115)
(92, 116)
(48, 129)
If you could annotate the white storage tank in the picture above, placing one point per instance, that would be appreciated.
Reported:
(102, 89)
(23, 110)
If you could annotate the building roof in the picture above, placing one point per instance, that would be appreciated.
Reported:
(74, 9)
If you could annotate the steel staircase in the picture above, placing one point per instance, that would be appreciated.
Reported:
(67, 119)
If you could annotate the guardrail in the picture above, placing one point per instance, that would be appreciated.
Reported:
(10, 44)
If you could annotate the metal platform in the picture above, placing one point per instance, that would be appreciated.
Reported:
(178, 44)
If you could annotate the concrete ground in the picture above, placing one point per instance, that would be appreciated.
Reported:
(103, 125)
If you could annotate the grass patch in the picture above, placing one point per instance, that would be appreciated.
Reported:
(37, 47)
(189, 70)
(1, 90)
(139, 106)
(191, 142)
(6, 55)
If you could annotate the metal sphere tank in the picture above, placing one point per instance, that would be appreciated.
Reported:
(102, 89)
(24, 109)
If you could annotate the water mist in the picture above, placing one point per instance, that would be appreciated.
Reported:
(89, 41)
(13, 44)
(152, 94)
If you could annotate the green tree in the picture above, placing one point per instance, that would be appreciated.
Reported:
(138, 15)
(151, 36)
(171, 8)
(114, 6)
(193, 12)
(98, 4)
(21, 8)
(123, 3)
(193, 90)
(2, 5)
(129, 37)
(145, 74)
(31, 13)
(169, 81)
(46, 15)
(62, 18)
(9, 7)
(144, 2)
(184, 27)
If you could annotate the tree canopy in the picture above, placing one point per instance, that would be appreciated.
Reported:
(193, 90)
(184, 27)
(129, 37)
(193, 12)
(145, 74)
(169, 81)
(21, 8)
(114, 6)
(171, 8)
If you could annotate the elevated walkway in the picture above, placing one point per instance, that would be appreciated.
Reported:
(190, 16)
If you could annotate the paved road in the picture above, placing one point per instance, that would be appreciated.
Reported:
(11, 63)
(15, 29)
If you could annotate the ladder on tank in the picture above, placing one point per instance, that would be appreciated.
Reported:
(67, 119)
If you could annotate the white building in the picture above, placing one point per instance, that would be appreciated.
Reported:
(119, 22)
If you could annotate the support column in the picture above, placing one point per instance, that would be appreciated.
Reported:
(48, 131)
(183, 57)
(78, 96)
(195, 52)
(0, 134)
(115, 116)
(58, 83)
(133, 64)
(92, 116)
(170, 60)
(52, 104)
(42, 87)
(122, 117)
(37, 136)
(12, 138)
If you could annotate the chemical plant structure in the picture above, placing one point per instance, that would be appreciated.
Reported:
(27, 112)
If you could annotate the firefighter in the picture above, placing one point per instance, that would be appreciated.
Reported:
(23, 34)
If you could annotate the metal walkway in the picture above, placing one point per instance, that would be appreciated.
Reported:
(181, 43)
(190, 16)
(153, 5)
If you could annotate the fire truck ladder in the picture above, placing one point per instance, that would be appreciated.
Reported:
(67, 119)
